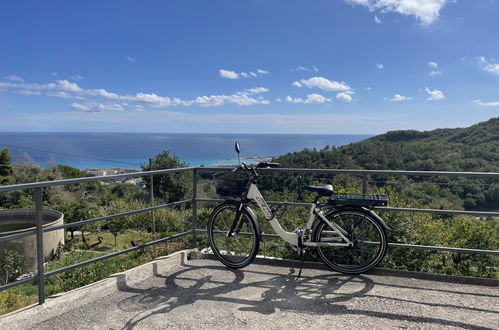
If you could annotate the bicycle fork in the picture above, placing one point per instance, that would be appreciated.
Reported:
(237, 223)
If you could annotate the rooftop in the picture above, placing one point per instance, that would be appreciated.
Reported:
(184, 291)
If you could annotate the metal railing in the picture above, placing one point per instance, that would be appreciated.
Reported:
(194, 200)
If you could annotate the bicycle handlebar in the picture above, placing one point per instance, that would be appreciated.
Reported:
(253, 169)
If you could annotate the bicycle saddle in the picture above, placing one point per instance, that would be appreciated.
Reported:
(324, 190)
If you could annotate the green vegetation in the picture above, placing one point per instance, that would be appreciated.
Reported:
(11, 265)
(473, 149)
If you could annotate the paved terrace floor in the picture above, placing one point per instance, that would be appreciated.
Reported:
(181, 293)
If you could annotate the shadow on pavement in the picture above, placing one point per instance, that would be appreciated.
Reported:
(308, 294)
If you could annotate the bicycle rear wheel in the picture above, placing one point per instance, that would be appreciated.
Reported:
(364, 230)
(233, 235)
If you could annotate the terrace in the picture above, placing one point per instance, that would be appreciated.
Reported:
(147, 294)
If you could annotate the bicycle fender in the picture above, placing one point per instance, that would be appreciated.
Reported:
(362, 210)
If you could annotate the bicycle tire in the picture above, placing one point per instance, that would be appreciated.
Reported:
(362, 228)
(240, 249)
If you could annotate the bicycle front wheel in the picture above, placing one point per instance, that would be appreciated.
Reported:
(365, 232)
(233, 235)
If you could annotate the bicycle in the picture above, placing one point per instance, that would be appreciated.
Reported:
(348, 236)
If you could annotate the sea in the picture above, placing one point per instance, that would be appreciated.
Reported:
(131, 150)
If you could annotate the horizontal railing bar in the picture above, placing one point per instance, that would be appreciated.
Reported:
(455, 212)
(123, 214)
(361, 172)
(396, 209)
(17, 283)
(218, 200)
(91, 179)
(19, 235)
(443, 248)
(114, 254)
(204, 231)
(392, 245)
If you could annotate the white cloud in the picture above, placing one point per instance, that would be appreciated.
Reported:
(300, 68)
(68, 86)
(492, 68)
(377, 20)
(398, 98)
(322, 83)
(14, 78)
(218, 100)
(303, 68)
(488, 67)
(155, 100)
(78, 77)
(256, 90)
(426, 11)
(71, 90)
(487, 104)
(432, 64)
(380, 66)
(96, 107)
(311, 98)
(316, 98)
(344, 96)
(131, 59)
(228, 74)
(55, 74)
(435, 73)
(61, 94)
(25, 92)
(434, 95)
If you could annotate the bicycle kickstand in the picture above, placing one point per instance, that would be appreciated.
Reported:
(302, 257)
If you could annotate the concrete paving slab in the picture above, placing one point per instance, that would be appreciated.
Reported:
(177, 293)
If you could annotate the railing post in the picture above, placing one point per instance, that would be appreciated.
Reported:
(39, 245)
(151, 199)
(364, 184)
(194, 221)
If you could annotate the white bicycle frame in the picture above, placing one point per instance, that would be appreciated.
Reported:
(294, 237)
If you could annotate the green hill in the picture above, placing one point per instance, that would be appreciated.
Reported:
(474, 148)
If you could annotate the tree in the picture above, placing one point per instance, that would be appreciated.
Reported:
(5, 166)
(170, 187)
(78, 211)
(11, 265)
(26, 171)
(118, 225)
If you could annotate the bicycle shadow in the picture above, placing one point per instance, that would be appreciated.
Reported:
(322, 294)
(317, 294)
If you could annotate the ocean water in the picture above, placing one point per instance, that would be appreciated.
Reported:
(130, 150)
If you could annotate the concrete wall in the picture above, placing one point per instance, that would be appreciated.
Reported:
(27, 245)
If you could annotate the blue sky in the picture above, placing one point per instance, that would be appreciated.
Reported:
(282, 66)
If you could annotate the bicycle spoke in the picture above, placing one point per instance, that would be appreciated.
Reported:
(360, 229)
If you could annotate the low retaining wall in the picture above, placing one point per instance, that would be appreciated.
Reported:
(27, 245)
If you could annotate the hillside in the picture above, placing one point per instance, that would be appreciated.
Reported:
(474, 148)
